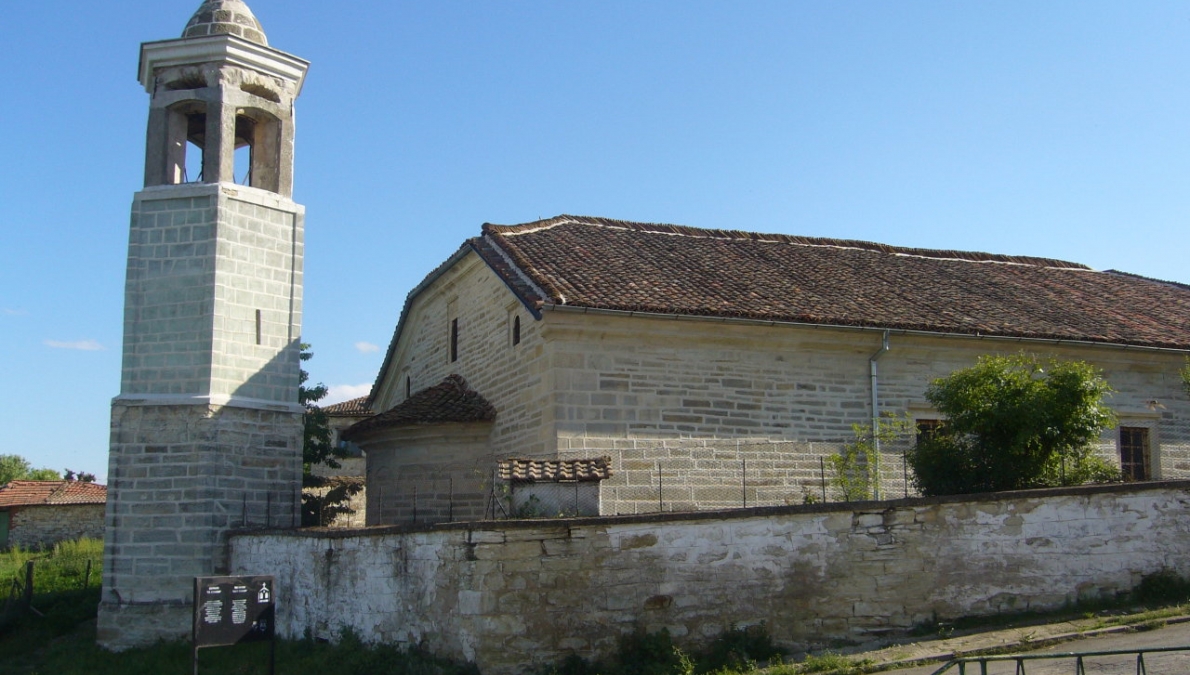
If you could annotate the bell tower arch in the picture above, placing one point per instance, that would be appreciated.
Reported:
(206, 431)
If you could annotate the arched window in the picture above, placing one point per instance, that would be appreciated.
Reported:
(258, 149)
(185, 142)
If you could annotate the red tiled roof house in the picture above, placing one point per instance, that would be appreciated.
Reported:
(350, 471)
(36, 514)
(703, 357)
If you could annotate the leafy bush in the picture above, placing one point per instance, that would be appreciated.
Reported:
(1162, 587)
(740, 647)
(642, 653)
(855, 470)
(1014, 422)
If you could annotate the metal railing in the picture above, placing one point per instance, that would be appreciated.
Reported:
(1079, 664)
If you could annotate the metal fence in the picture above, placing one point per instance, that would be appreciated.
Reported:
(695, 475)
(673, 475)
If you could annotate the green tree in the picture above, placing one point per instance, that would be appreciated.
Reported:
(854, 471)
(15, 467)
(1014, 422)
(319, 508)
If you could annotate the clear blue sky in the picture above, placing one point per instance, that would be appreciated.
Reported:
(1058, 129)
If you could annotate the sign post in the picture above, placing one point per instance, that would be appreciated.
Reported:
(231, 610)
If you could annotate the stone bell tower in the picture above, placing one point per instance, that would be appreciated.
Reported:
(206, 433)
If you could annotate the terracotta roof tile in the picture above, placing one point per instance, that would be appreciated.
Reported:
(555, 471)
(617, 265)
(449, 401)
(353, 408)
(51, 492)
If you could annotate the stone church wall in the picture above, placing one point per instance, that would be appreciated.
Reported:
(510, 595)
(695, 394)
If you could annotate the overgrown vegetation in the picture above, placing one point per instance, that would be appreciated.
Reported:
(1163, 587)
(855, 470)
(66, 582)
(1015, 422)
(737, 650)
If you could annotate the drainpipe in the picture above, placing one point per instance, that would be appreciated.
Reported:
(876, 414)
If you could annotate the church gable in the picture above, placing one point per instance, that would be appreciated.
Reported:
(465, 320)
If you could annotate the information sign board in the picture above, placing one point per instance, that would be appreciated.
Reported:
(230, 610)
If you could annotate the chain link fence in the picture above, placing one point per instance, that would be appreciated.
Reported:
(673, 475)
(695, 475)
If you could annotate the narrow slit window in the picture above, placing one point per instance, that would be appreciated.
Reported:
(454, 340)
(408, 386)
(259, 327)
(516, 330)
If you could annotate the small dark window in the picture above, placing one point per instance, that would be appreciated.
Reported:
(408, 386)
(259, 331)
(516, 330)
(1134, 453)
(454, 340)
(927, 429)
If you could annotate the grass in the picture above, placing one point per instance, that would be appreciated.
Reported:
(66, 582)
(77, 654)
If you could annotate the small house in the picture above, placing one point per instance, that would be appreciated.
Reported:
(41, 513)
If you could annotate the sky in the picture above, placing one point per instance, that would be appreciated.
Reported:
(1055, 129)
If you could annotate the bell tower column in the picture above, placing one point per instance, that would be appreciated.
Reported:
(206, 433)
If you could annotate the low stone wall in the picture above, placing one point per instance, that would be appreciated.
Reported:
(510, 595)
(44, 526)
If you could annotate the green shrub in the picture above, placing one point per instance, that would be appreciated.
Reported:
(1014, 422)
(739, 648)
(1162, 587)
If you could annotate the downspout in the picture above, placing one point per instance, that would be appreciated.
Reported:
(876, 414)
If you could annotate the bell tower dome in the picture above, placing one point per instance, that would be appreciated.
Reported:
(206, 431)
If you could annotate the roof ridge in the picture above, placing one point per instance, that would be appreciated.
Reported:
(792, 239)
(1176, 284)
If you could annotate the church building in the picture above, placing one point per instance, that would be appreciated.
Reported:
(630, 367)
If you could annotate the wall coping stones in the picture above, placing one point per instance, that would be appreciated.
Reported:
(722, 514)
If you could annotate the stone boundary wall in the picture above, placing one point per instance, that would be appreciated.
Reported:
(44, 526)
(515, 594)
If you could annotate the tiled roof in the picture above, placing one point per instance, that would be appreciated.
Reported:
(448, 401)
(555, 471)
(51, 492)
(353, 408)
(608, 264)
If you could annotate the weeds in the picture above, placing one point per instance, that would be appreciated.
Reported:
(833, 664)
(1161, 588)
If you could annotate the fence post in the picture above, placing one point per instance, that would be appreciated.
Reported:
(822, 476)
(744, 472)
(660, 498)
(905, 469)
(28, 584)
